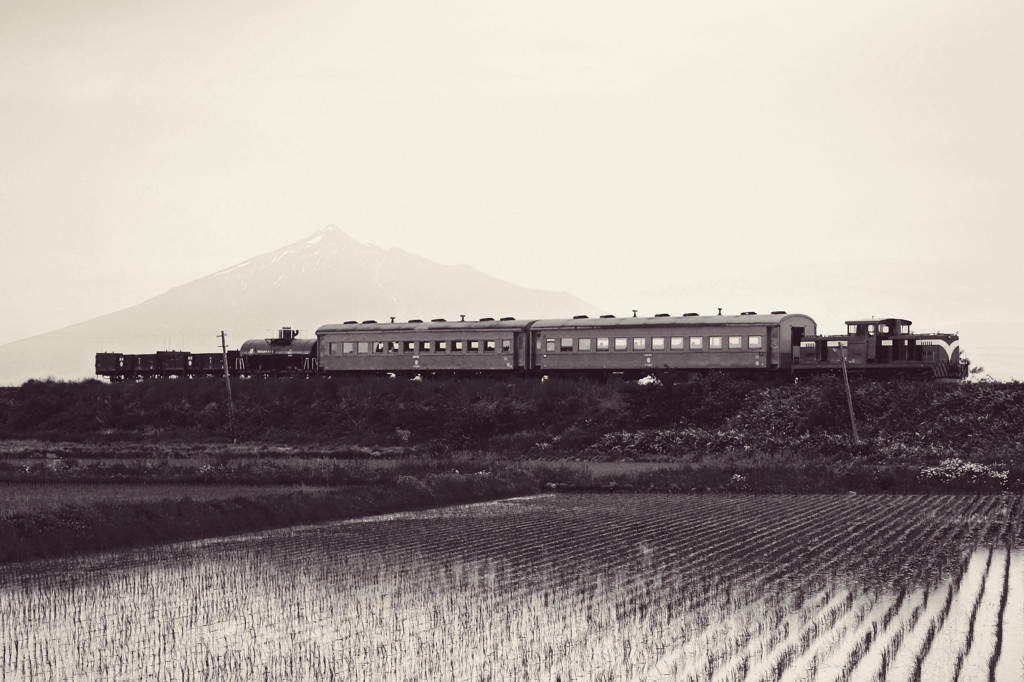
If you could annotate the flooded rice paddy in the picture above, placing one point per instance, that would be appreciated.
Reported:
(557, 587)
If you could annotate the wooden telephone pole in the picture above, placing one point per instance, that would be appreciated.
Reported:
(227, 381)
(849, 398)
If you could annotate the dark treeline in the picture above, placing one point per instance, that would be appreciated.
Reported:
(714, 415)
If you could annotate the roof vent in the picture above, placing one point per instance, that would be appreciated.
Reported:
(369, 321)
(506, 319)
(691, 314)
(605, 317)
(487, 319)
(778, 312)
(749, 312)
(439, 319)
(415, 321)
(580, 317)
(351, 322)
(663, 315)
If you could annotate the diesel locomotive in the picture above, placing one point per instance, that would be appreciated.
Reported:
(777, 345)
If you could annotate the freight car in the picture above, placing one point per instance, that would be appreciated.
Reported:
(777, 345)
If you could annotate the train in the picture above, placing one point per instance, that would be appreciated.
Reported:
(778, 345)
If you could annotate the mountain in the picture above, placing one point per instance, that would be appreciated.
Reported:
(326, 278)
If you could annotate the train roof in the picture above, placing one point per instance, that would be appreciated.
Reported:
(563, 323)
(876, 320)
(675, 321)
(419, 325)
(266, 346)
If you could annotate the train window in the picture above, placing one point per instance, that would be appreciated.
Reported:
(506, 345)
(735, 342)
(715, 342)
(754, 341)
(585, 344)
(639, 343)
(696, 342)
(565, 346)
(678, 343)
(904, 329)
(490, 345)
(409, 347)
(883, 328)
(473, 346)
(425, 346)
(658, 343)
(392, 346)
(550, 345)
(441, 346)
(378, 346)
(331, 348)
(364, 346)
(621, 343)
(458, 346)
(348, 348)
(871, 329)
(602, 344)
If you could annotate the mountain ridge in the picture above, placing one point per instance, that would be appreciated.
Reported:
(326, 277)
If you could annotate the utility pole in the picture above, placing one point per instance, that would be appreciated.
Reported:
(227, 381)
(849, 398)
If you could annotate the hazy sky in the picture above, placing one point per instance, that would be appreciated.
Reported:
(657, 155)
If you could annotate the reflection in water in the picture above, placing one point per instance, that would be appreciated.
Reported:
(819, 587)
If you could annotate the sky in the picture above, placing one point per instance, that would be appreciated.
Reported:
(837, 159)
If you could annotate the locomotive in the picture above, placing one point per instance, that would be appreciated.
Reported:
(777, 345)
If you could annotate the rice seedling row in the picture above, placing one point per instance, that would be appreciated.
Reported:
(555, 587)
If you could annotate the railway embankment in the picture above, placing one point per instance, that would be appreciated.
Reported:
(95, 466)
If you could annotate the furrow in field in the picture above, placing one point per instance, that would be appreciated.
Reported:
(982, 642)
(1010, 663)
(953, 636)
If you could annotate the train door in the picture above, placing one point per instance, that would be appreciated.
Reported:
(796, 337)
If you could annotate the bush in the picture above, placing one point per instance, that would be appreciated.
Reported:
(957, 473)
